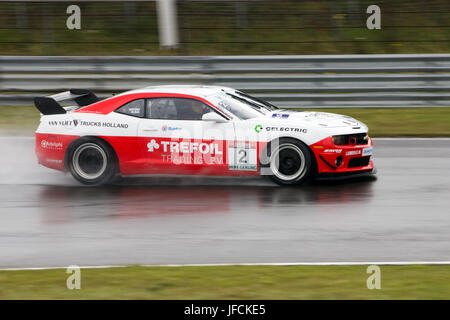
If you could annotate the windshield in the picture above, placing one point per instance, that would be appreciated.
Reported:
(264, 104)
(239, 107)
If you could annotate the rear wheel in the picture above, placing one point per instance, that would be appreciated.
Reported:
(290, 162)
(92, 161)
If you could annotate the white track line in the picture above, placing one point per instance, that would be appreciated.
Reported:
(380, 263)
(305, 264)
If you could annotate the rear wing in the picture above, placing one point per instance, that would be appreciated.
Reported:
(49, 105)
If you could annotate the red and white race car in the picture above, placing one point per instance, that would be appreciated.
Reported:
(195, 130)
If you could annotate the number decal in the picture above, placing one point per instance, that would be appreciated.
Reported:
(242, 156)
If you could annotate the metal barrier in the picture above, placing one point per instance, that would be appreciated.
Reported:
(288, 81)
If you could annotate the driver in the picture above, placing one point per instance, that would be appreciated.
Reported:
(190, 109)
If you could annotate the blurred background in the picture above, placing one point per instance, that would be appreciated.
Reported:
(314, 54)
(226, 27)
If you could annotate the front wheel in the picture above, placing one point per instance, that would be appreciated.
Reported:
(290, 162)
(91, 161)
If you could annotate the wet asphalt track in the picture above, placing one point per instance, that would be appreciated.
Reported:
(46, 219)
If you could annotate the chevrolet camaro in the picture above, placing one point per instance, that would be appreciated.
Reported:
(195, 130)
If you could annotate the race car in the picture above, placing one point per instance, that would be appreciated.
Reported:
(195, 130)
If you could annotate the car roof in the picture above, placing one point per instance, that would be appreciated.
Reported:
(194, 90)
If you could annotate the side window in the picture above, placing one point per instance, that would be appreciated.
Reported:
(176, 109)
(135, 108)
(161, 108)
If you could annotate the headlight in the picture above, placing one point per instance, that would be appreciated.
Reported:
(339, 140)
(351, 139)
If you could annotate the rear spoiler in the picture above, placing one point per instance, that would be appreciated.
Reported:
(49, 105)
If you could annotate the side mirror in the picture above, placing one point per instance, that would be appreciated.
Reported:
(214, 117)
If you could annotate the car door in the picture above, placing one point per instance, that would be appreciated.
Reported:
(185, 136)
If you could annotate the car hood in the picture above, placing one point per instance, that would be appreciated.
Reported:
(322, 119)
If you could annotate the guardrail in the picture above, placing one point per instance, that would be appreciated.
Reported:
(288, 81)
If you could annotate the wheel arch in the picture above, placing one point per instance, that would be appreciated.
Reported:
(71, 145)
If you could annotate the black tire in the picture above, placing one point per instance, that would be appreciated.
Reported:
(91, 161)
(288, 161)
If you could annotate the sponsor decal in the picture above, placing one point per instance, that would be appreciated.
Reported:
(258, 128)
(185, 152)
(54, 160)
(282, 129)
(367, 152)
(333, 150)
(134, 110)
(90, 123)
(51, 145)
(152, 145)
(169, 128)
(63, 123)
(115, 125)
(190, 159)
(280, 115)
(288, 129)
(242, 156)
(185, 147)
(353, 152)
(99, 124)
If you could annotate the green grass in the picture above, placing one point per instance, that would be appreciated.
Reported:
(231, 282)
(14, 118)
(382, 122)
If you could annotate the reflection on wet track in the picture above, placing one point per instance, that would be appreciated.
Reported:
(47, 219)
(128, 200)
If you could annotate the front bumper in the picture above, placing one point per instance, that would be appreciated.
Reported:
(343, 160)
(346, 175)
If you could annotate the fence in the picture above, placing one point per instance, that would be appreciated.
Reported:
(288, 81)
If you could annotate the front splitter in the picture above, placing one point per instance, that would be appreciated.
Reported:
(346, 175)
